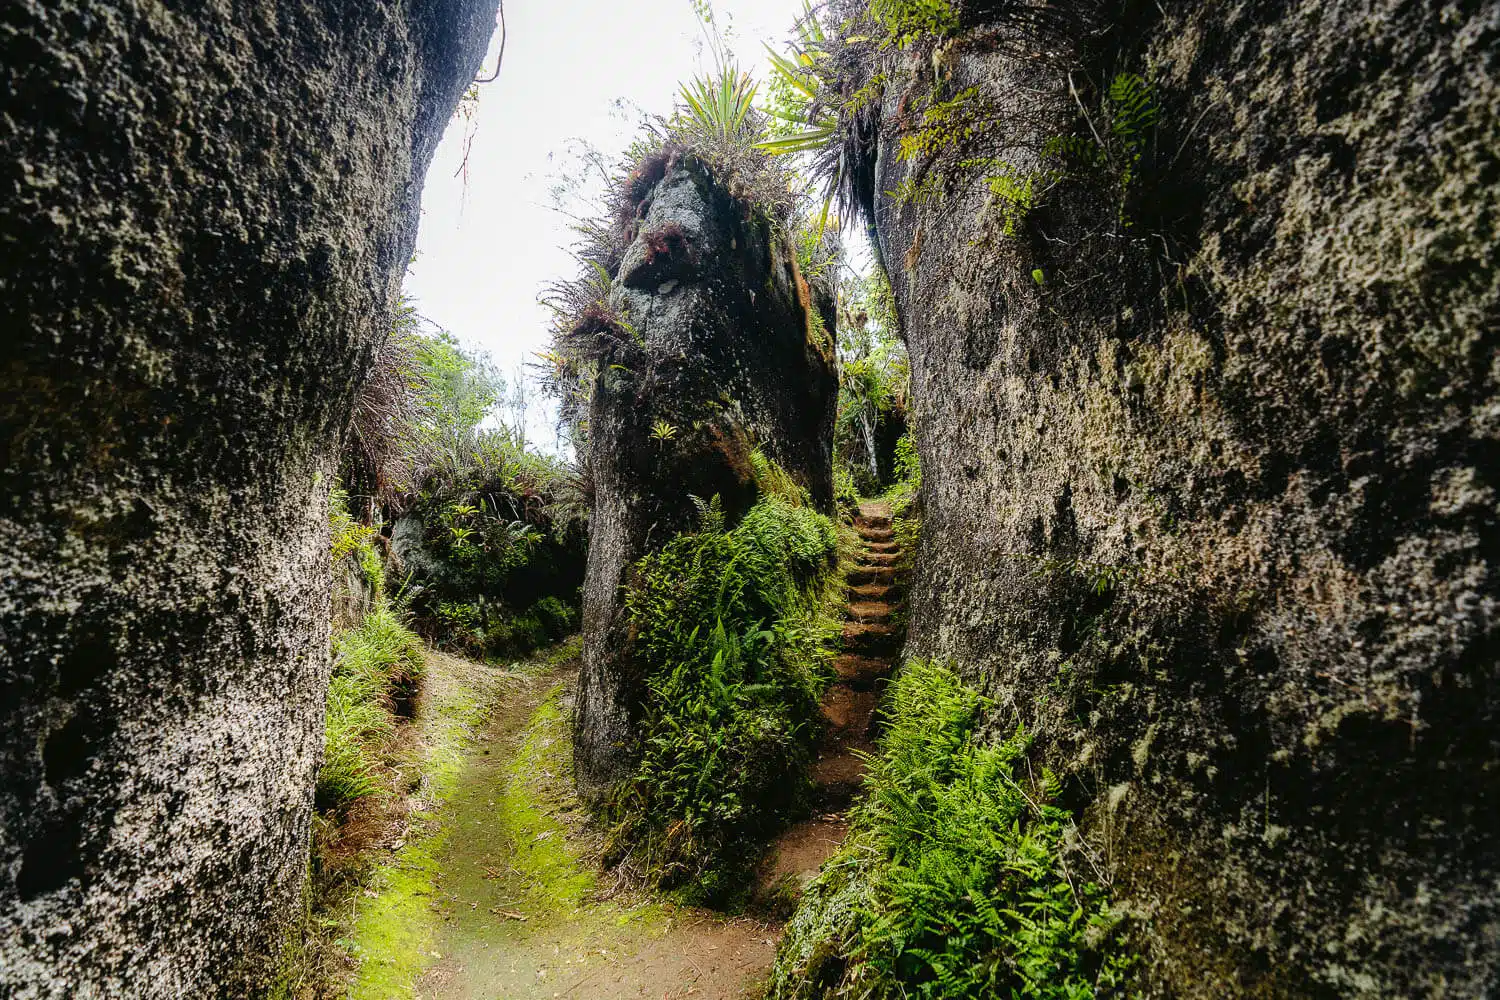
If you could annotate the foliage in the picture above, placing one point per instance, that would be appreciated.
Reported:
(717, 119)
(818, 117)
(731, 628)
(1111, 159)
(376, 664)
(380, 453)
(959, 880)
(502, 526)
(905, 22)
(845, 493)
(458, 389)
(827, 92)
(1133, 114)
(874, 381)
(907, 486)
(906, 513)
(347, 536)
(423, 392)
(502, 530)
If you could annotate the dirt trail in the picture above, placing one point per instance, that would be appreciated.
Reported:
(516, 908)
(872, 640)
(495, 894)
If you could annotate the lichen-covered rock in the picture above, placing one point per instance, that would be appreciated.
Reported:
(204, 215)
(1210, 499)
(717, 350)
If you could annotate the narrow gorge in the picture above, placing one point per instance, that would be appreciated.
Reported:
(1021, 519)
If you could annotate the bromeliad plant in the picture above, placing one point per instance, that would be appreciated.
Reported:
(718, 108)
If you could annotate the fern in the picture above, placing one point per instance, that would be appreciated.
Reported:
(967, 897)
(710, 513)
(728, 633)
(1132, 102)
(907, 22)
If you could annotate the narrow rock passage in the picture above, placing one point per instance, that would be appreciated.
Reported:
(872, 640)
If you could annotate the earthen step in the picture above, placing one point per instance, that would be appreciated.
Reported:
(837, 776)
(860, 575)
(870, 612)
(801, 851)
(876, 534)
(882, 547)
(873, 592)
(849, 714)
(862, 673)
(872, 520)
(877, 558)
(880, 637)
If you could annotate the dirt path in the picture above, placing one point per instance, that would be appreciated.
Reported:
(494, 893)
(872, 640)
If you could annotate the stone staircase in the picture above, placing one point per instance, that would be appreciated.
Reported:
(871, 643)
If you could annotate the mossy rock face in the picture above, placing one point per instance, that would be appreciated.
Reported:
(1211, 505)
(205, 215)
(721, 358)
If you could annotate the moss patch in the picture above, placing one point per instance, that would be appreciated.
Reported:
(395, 925)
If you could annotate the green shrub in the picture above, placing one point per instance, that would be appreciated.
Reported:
(908, 21)
(908, 465)
(956, 883)
(903, 493)
(732, 631)
(845, 491)
(512, 635)
(556, 617)
(347, 536)
(376, 664)
(503, 529)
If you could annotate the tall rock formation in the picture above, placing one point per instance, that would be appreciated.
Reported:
(1210, 466)
(205, 214)
(716, 348)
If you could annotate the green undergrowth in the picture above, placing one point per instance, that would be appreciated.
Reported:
(376, 666)
(958, 880)
(734, 629)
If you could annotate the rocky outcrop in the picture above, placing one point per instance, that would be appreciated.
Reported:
(1209, 476)
(714, 350)
(205, 216)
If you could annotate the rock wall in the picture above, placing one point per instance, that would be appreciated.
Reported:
(717, 353)
(204, 217)
(1210, 499)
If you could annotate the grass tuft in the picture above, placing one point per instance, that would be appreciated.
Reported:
(376, 664)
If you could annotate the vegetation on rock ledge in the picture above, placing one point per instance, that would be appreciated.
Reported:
(733, 629)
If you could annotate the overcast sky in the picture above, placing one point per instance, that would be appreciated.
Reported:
(487, 247)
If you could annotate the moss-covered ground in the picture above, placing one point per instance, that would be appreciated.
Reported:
(494, 894)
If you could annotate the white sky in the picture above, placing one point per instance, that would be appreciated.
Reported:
(486, 250)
